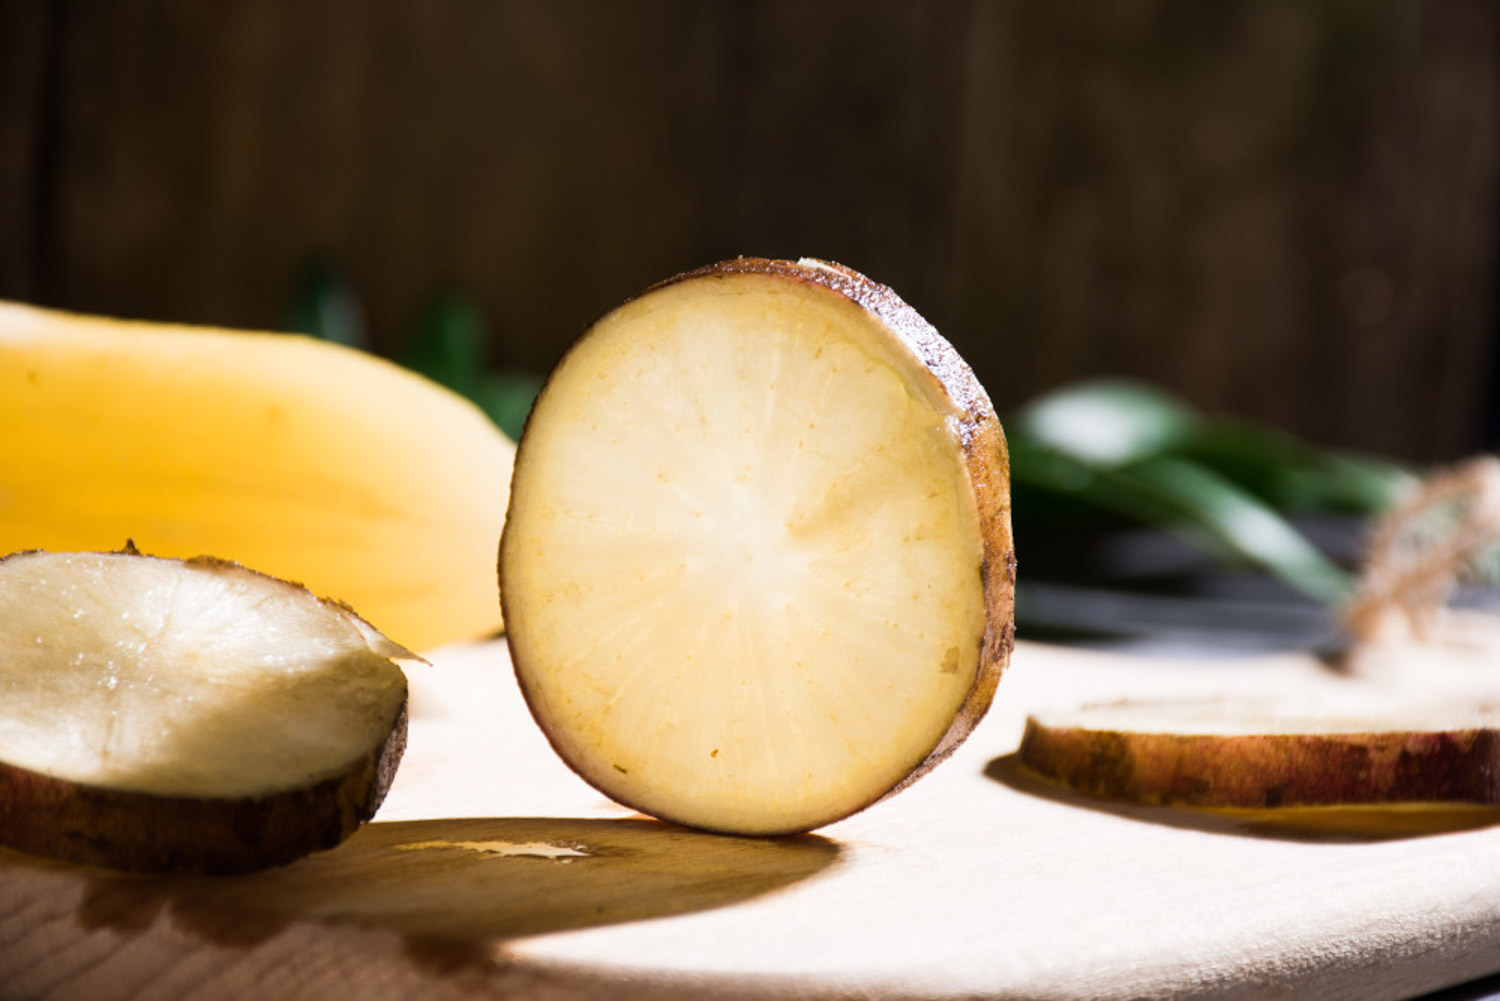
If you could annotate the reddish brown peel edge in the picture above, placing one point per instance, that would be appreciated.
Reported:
(147, 833)
(1269, 770)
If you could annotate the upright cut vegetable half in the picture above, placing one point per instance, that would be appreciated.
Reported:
(757, 568)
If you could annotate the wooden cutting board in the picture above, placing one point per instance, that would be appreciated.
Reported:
(492, 872)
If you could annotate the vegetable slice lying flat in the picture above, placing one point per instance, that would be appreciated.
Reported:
(195, 716)
(1236, 753)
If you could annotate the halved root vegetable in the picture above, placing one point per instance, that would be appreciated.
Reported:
(1270, 754)
(303, 459)
(168, 716)
(757, 568)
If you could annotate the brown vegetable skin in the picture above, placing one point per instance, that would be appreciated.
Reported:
(1269, 770)
(142, 832)
(985, 455)
(150, 833)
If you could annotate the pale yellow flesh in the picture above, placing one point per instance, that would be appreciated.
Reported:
(743, 561)
(1346, 713)
(303, 459)
(155, 676)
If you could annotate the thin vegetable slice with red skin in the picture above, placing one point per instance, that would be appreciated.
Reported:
(161, 715)
(757, 568)
(1250, 753)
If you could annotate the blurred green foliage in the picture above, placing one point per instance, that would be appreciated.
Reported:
(1113, 447)
(448, 342)
(1230, 487)
(323, 304)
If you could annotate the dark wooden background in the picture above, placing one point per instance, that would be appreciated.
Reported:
(1279, 208)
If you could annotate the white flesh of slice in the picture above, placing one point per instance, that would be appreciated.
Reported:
(184, 679)
(1346, 713)
(745, 570)
(1345, 749)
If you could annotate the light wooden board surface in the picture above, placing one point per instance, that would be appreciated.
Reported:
(493, 872)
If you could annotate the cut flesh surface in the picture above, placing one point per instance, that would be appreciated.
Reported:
(744, 567)
(1354, 749)
(1347, 713)
(142, 697)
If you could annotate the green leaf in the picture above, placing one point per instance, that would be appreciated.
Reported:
(507, 398)
(1292, 475)
(448, 344)
(1184, 497)
(323, 305)
(1105, 423)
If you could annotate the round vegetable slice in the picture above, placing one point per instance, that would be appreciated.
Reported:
(1271, 753)
(757, 567)
(164, 715)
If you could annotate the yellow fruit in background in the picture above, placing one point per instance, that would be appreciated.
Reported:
(299, 458)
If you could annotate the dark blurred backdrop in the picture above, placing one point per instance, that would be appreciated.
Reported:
(1284, 209)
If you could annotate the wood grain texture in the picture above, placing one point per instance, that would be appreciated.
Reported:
(28, 29)
(492, 872)
(1283, 211)
(499, 148)
(1242, 204)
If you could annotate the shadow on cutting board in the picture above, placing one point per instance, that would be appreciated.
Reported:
(454, 888)
(1309, 823)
